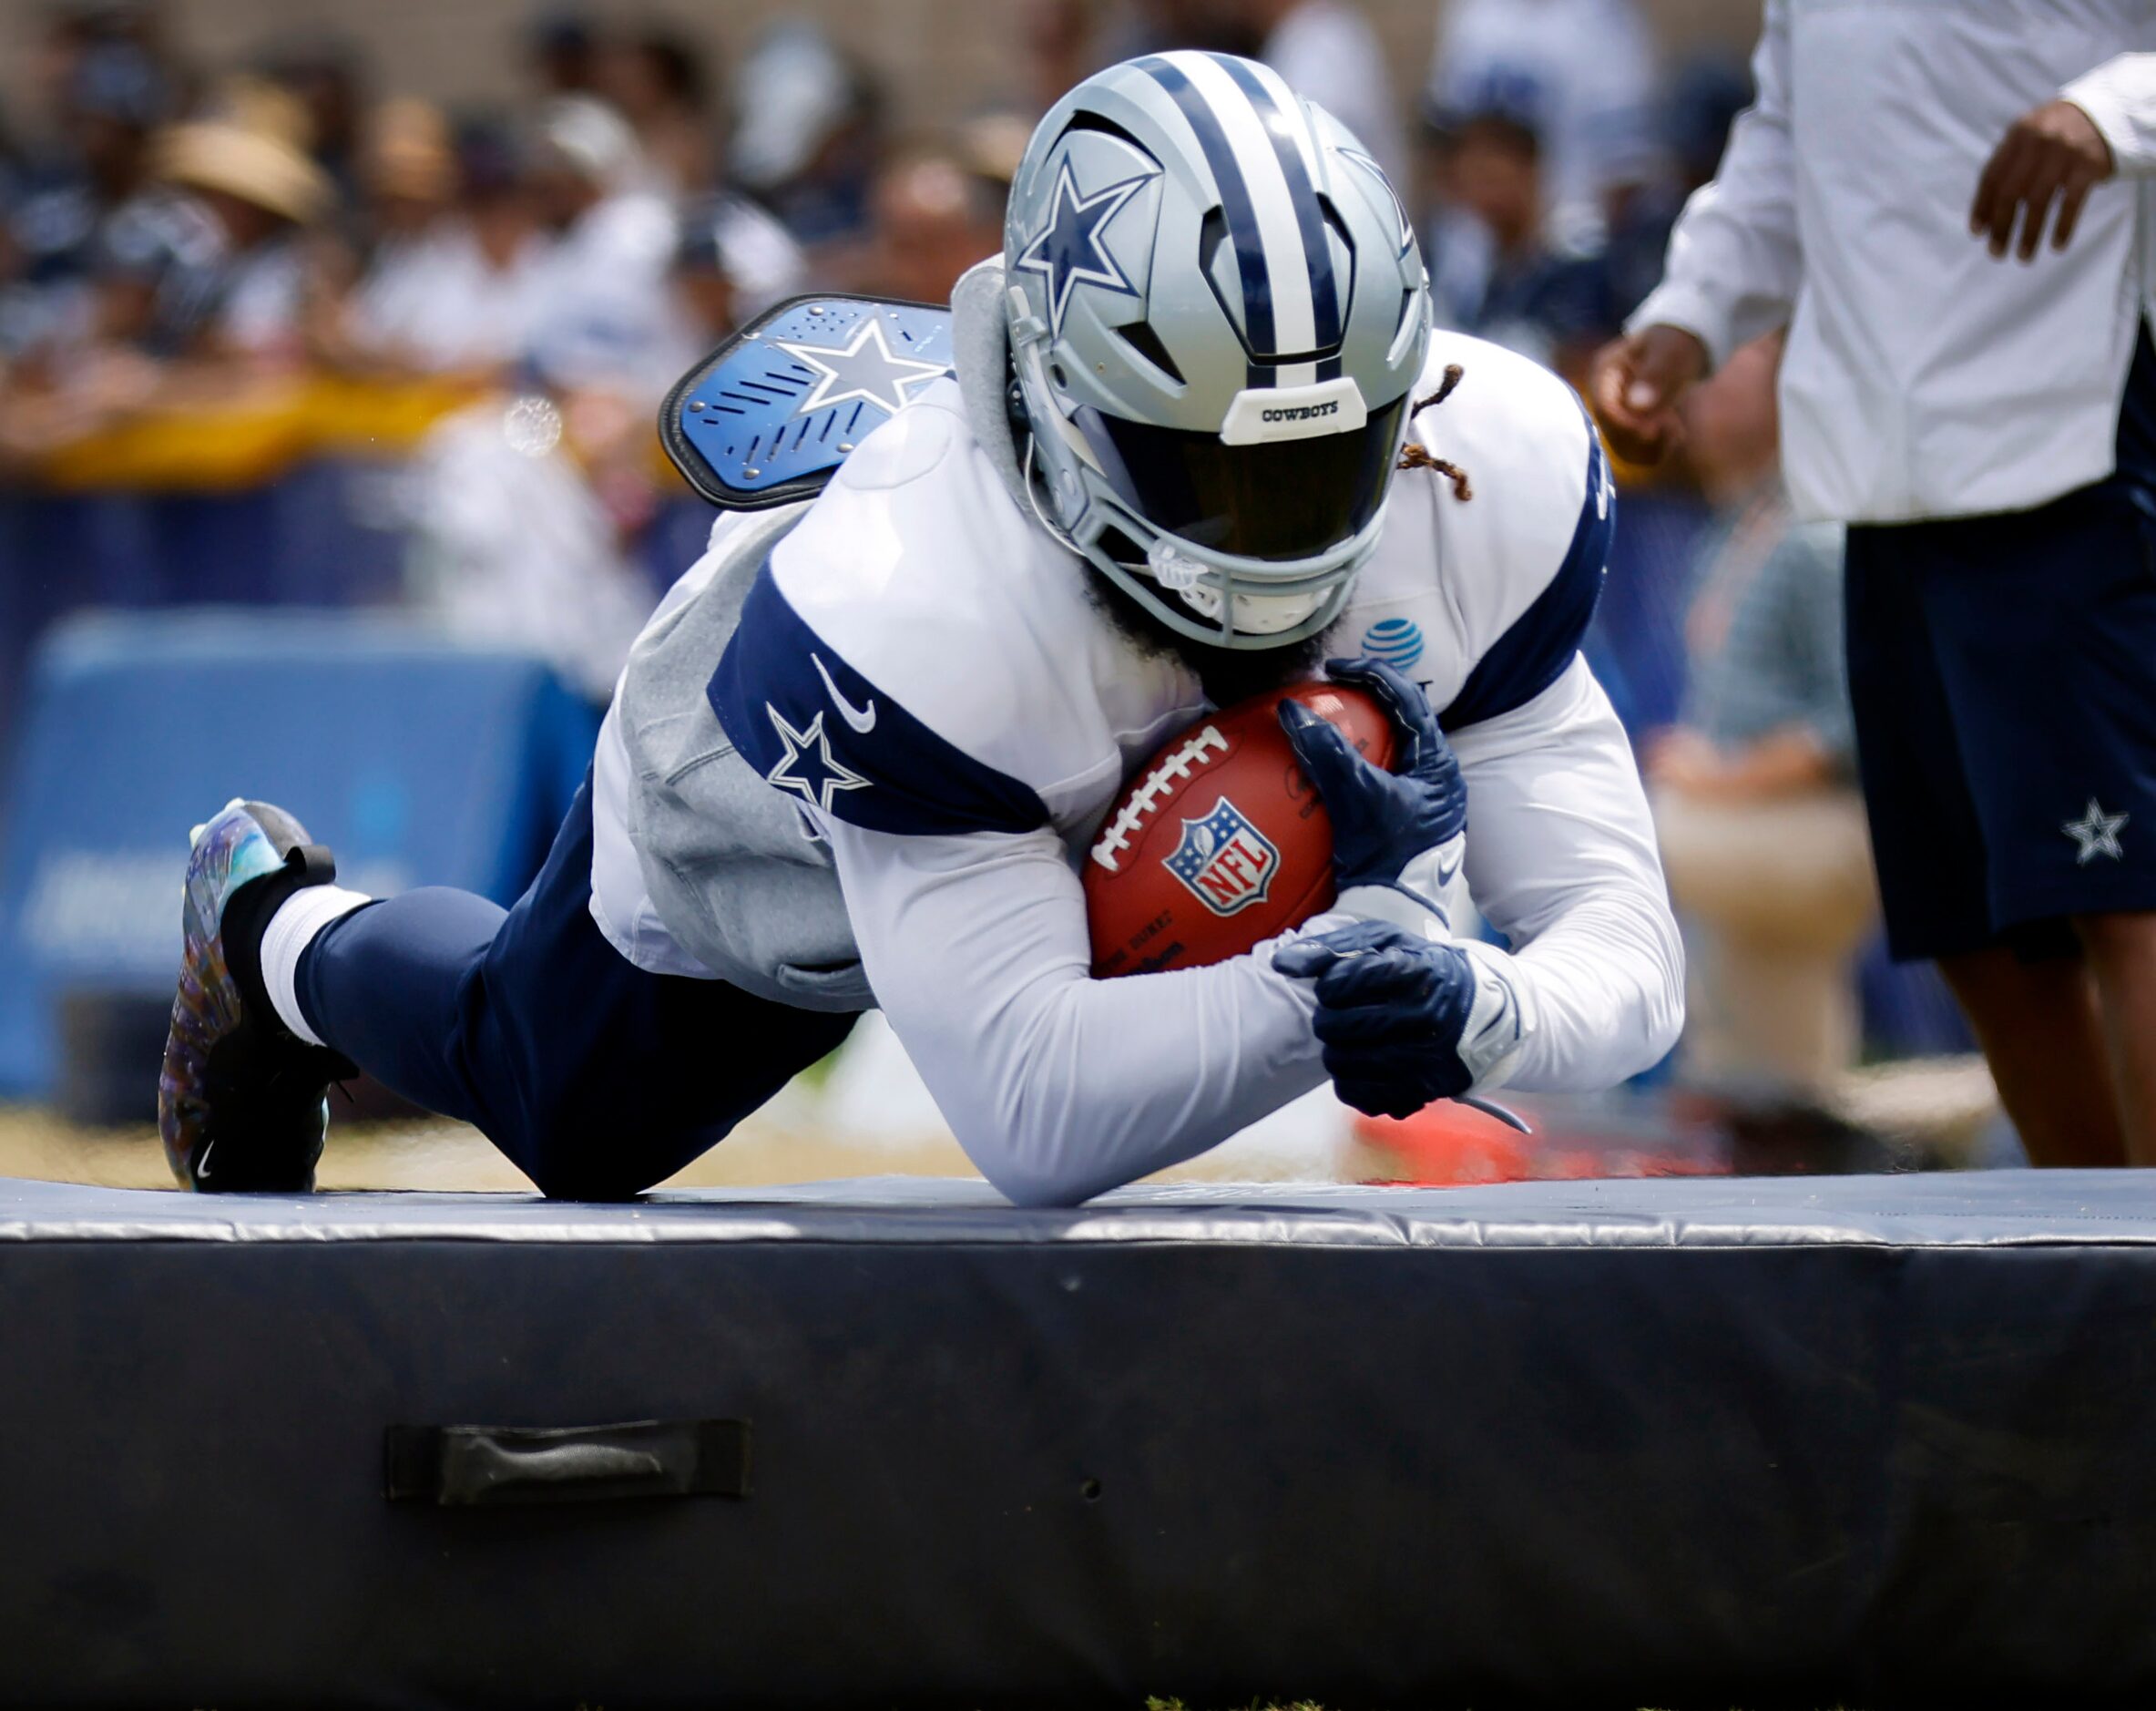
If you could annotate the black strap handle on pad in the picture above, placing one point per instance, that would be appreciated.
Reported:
(491, 1466)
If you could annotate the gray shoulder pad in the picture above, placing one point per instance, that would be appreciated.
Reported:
(723, 856)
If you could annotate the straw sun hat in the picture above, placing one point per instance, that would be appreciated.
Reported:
(249, 151)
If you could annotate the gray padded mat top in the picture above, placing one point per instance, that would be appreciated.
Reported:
(1986, 1209)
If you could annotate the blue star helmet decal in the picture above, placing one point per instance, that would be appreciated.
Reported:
(1068, 252)
(767, 418)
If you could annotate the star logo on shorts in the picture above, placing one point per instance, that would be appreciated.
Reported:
(808, 766)
(2097, 833)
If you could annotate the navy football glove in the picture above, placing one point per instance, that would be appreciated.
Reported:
(1397, 837)
(1404, 1020)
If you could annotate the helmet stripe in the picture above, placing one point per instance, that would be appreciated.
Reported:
(1311, 150)
(1283, 120)
(1273, 207)
(1243, 231)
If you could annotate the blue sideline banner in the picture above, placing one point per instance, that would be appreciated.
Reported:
(420, 762)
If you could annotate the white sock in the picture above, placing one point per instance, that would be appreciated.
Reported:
(291, 930)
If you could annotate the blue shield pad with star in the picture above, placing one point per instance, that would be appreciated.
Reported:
(1224, 860)
(765, 419)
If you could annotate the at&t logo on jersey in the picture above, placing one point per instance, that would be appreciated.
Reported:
(1398, 642)
(1226, 862)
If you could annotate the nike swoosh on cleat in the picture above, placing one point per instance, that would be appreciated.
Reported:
(862, 720)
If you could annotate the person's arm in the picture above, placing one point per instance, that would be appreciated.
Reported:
(1734, 262)
(2120, 98)
(1561, 855)
(2102, 125)
(1561, 859)
(1059, 1086)
(1733, 271)
(1536, 783)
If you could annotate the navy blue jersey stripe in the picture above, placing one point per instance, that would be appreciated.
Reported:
(1310, 219)
(1533, 654)
(817, 729)
(1235, 200)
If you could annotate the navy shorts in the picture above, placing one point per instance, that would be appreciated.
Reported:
(2003, 672)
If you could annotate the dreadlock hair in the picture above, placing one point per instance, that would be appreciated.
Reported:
(1416, 457)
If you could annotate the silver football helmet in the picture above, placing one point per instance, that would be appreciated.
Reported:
(1217, 311)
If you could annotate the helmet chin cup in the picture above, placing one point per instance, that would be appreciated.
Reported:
(1246, 604)
(1174, 571)
(1254, 615)
(1198, 593)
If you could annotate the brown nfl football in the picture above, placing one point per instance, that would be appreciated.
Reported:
(1220, 841)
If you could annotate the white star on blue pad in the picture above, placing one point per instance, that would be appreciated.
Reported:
(2097, 833)
(863, 368)
(1068, 250)
(808, 766)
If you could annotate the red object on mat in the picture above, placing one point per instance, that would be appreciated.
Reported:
(1452, 1145)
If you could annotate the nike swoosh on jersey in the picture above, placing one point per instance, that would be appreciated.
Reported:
(862, 720)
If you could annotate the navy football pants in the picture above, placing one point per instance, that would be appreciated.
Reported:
(596, 1079)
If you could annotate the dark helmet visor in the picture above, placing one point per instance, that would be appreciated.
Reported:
(1285, 501)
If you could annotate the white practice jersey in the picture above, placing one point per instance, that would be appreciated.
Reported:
(927, 672)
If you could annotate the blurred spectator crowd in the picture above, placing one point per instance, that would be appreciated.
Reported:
(178, 239)
(168, 233)
(185, 243)
(169, 230)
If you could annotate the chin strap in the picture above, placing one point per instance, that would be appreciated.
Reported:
(1030, 481)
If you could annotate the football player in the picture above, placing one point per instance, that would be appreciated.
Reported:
(861, 748)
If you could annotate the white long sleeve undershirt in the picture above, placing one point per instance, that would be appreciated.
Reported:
(1562, 860)
(1059, 1086)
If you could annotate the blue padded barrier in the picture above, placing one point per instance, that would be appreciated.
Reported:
(419, 761)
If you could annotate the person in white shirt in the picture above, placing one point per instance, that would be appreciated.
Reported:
(448, 286)
(1988, 429)
(602, 312)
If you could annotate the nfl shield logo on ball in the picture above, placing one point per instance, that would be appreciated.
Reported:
(1226, 862)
